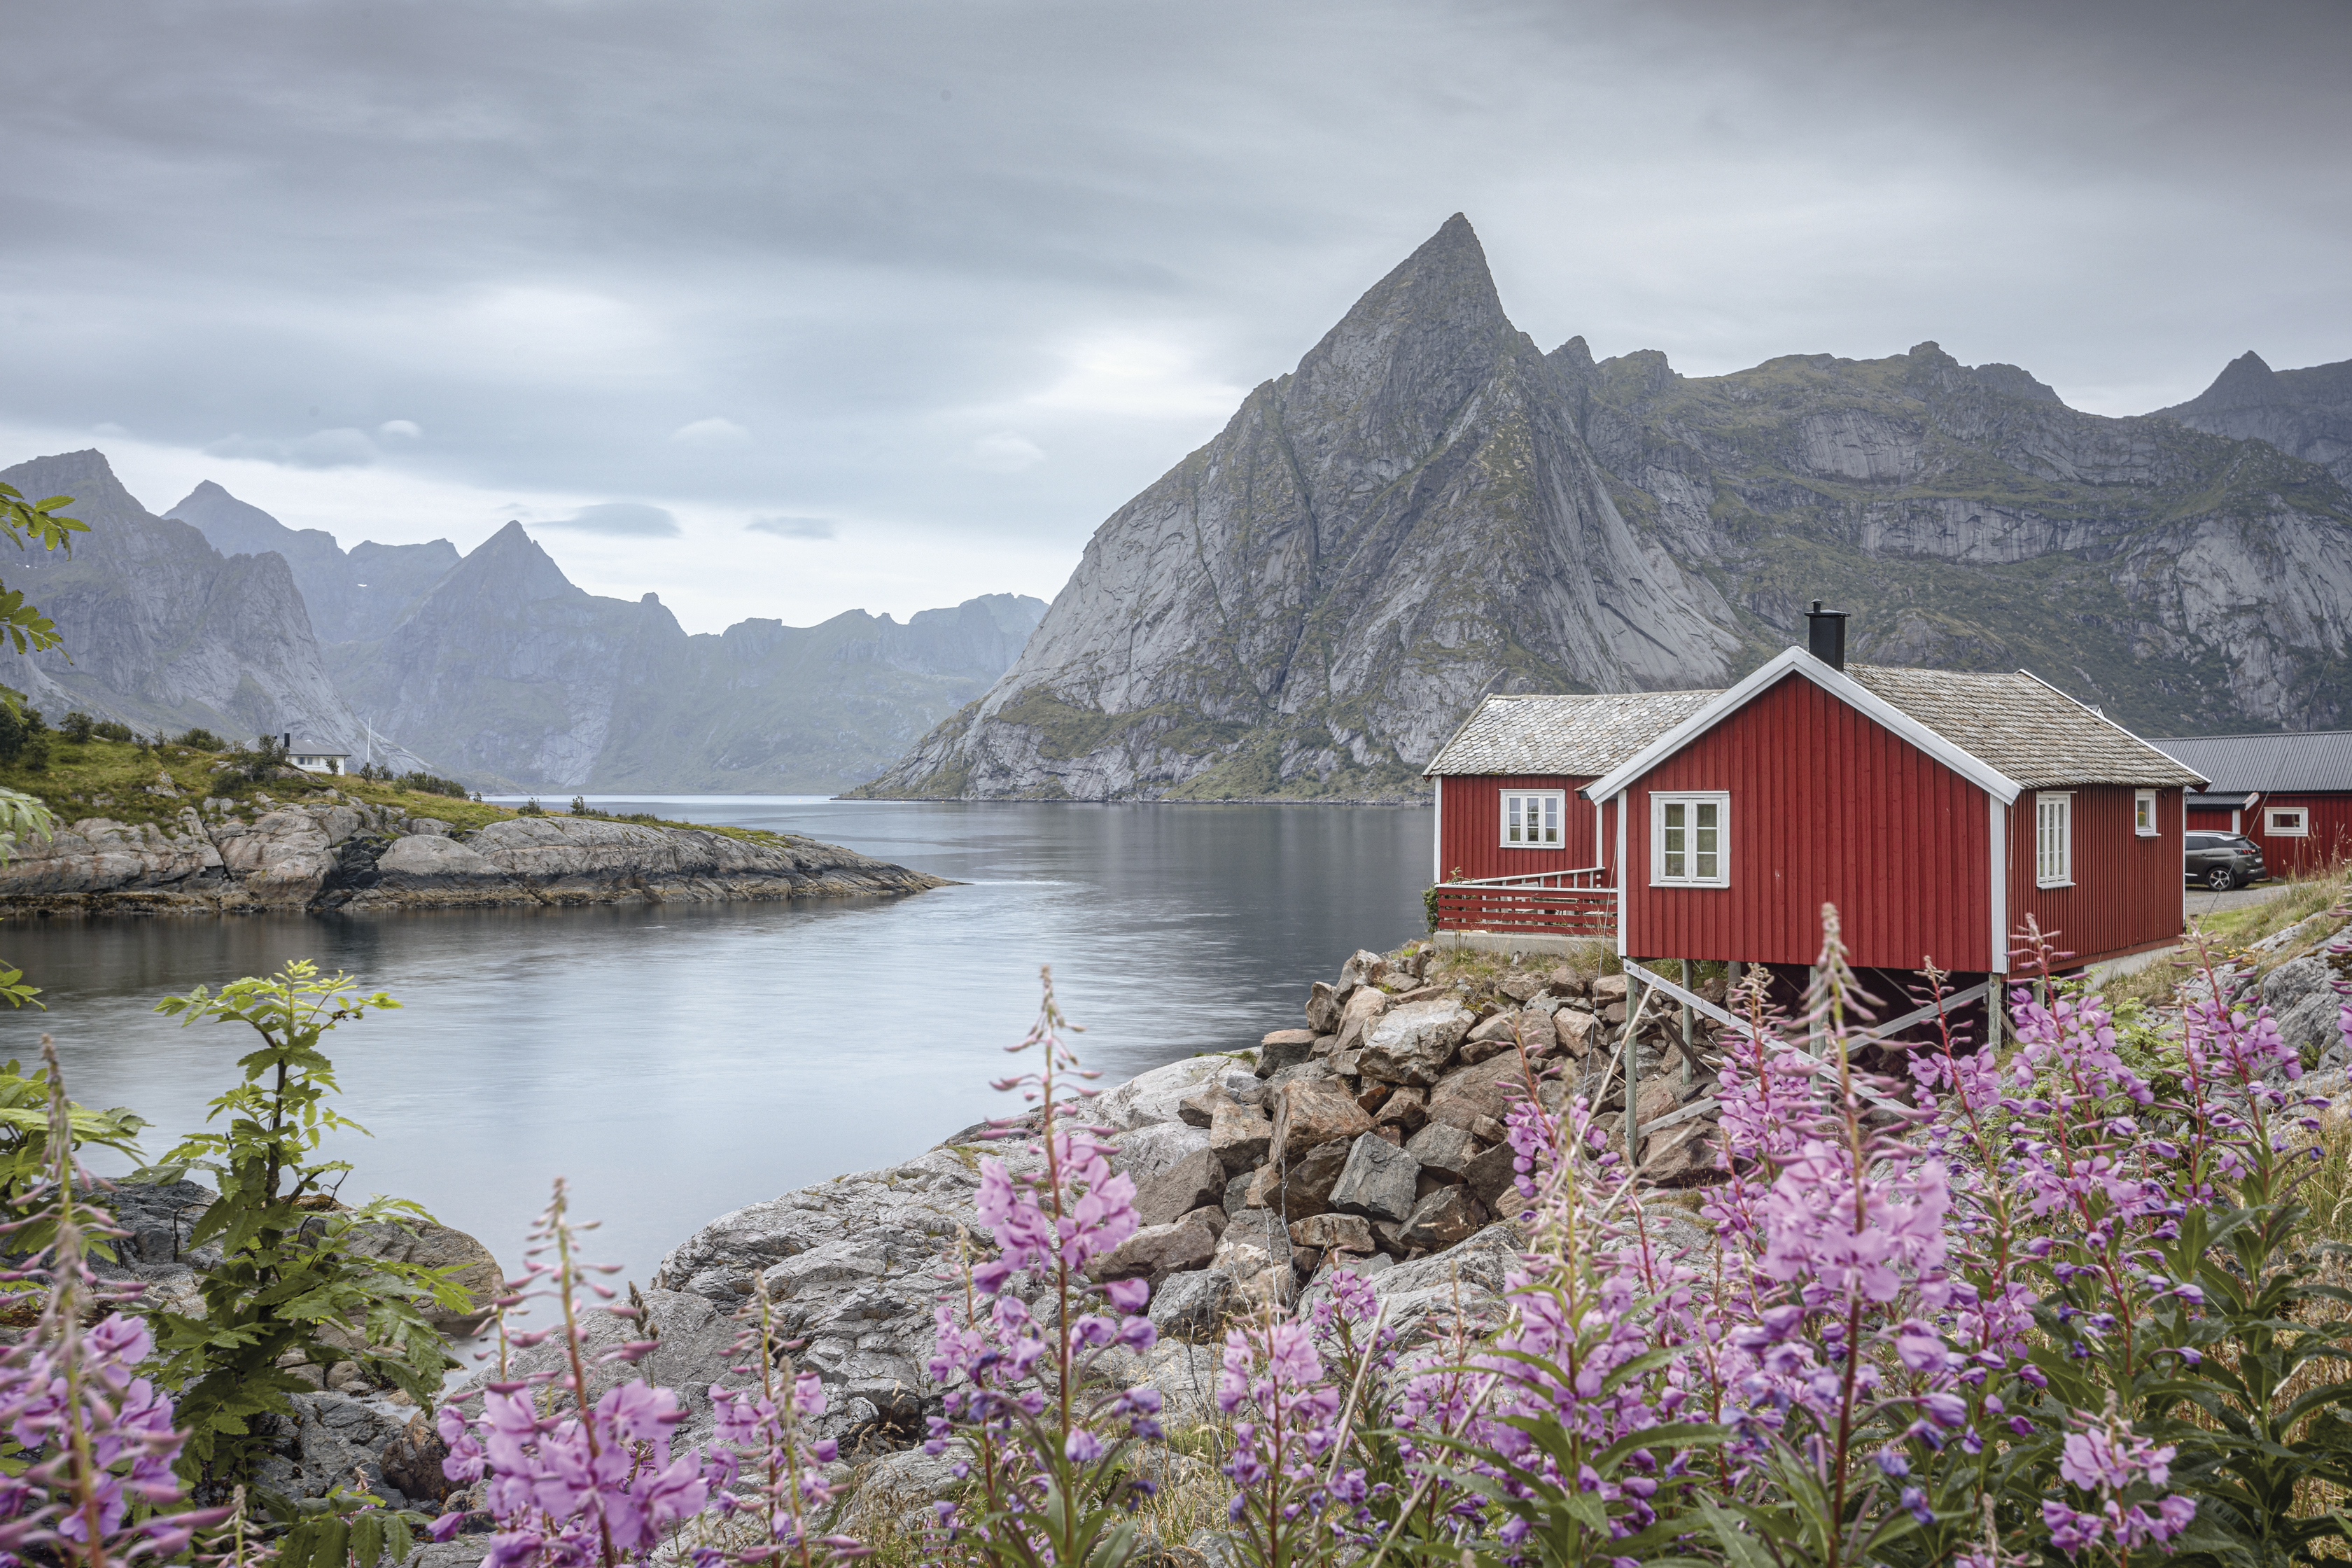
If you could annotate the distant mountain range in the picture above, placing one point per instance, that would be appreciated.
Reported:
(1429, 508)
(491, 668)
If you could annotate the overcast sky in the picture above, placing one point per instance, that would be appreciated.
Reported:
(789, 309)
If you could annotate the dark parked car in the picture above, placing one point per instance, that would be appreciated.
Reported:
(2224, 860)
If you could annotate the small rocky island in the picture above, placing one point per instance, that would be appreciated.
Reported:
(328, 850)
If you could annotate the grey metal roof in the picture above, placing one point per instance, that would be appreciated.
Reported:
(1581, 736)
(2030, 731)
(2273, 764)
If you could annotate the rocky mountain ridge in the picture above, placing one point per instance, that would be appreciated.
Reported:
(506, 671)
(163, 631)
(492, 666)
(1428, 510)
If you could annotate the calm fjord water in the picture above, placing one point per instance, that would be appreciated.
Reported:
(677, 1061)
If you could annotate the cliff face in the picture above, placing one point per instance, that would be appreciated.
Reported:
(350, 598)
(2305, 414)
(1427, 510)
(1303, 605)
(161, 631)
(2184, 581)
(506, 674)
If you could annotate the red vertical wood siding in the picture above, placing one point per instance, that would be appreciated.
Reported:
(1827, 807)
(2329, 842)
(1470, 831)
(2127, 889)
(2210, 819)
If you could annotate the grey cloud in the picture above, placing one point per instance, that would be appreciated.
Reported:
(338, 448)
(623, 516)
(555, 237)
(792, 527)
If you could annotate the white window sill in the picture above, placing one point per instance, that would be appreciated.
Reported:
(2067, 883)
(1655, 882)
(1555, 849)
(2146, 833)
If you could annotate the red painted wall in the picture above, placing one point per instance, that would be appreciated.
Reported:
(2127, 889)
(1470, 829)
(2330, 841)
(1827, 807)
(2210, 819)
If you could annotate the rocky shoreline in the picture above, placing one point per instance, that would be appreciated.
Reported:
(328, 852)
(1372, 1139)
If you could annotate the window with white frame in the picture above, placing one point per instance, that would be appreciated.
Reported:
(2053, 840)
(1532, 818)
(2286, 822)
(1690, 840)
(2144, 813)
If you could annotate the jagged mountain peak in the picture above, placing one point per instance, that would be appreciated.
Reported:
(2246, 381)
(85, 475)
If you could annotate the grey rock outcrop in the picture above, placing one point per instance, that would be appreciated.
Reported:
(354, 856)
(2303, 998)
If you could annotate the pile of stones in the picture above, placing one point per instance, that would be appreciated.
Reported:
(1376, 1134)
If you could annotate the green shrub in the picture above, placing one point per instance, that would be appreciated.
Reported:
(288, 1263)
(530, 808)
(77, 727)
(201, 739)
(110, 729)
(428, 784)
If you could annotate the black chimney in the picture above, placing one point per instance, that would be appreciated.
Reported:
(1825, 635)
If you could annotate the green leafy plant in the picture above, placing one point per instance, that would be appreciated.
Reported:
(345, 1529)
(32, 522)
(77, 727)
(26, 1158)
(202, 739)
(21, 816)
(290, 1265)
(256, 763)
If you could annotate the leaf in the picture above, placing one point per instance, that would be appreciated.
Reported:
(1742, 1549)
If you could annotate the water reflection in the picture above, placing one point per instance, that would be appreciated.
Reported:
(677, 1061)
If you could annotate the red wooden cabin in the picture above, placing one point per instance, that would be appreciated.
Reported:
(2291, 793)
(1935, 809)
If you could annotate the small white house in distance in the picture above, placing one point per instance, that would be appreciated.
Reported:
(312, 758)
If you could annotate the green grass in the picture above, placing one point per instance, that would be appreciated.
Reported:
(111, 778)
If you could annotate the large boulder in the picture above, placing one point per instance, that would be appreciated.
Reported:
(1357, 1015)
(1305, 1185)
(1486, 1090)
(1196, 1179)
(1443, 1148)
(1192, 1306)
(1446, 1216)
(1240, 1134)
(1156, 1251)
(1312, 1112)
(2302, 996)
(1378, 1181)
(467, 1262)
(1411, 1043)
(1151, 1151)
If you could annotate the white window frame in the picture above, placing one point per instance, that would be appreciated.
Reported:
(1659, 802)
(2271, 828)
(2053, 838)
(1552, 803)
(2144, 813)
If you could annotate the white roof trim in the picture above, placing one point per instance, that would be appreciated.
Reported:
(1796, 660)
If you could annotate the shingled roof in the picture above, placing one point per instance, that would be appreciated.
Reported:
(1579, 736)
(2020, 727)
(2023, 727)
